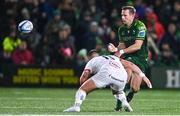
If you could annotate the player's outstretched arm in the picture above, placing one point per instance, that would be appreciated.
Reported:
(132, 66)
(84, 76)
(137, 70)
(147, 81)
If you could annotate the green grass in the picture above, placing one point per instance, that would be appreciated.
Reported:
(100, 102)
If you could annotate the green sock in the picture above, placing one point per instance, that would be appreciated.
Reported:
(126, 88)
(118, 105)
(130, 95)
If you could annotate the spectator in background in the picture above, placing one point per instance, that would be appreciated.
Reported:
(46, 9)
(8, 15)
(167, 57)
(27, 9)
(45, 14)
(104, 29)
(44, 49)
(54, 25)
(140, 9)
(113, 38)
(95, 11)
(33, 40)
(1, 58)
(9, 45)
(175, 17)
(154, 27)
(63, 48)
(22, 56)
(100, 47)
(113, 16)
(68, 12)
(50, 34)
(69, 31)
(82, 29)
(90, 38)
(162, 9)
(116, 23)
(81, 60)
(172, 37)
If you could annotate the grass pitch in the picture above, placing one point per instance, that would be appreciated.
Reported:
(36, 101)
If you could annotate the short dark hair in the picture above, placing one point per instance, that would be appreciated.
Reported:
(92, 51)
(131, 9)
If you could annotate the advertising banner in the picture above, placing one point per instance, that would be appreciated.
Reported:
(165, 77)
(39, 76)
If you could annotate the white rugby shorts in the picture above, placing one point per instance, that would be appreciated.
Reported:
(116, 78)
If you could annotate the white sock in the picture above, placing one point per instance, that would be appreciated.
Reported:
(80, 97)
(121, 96)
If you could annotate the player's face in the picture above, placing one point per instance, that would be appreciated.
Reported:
(127, 18)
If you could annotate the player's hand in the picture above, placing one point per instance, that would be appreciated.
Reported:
(147, 81)
(112, 48)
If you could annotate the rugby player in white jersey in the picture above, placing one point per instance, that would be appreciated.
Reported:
(107, 71)
(129, 66)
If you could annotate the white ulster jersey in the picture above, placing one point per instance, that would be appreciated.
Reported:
(106, 61)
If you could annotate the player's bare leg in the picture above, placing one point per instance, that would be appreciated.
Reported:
(80, 96)
(119, 103)
(135, 84)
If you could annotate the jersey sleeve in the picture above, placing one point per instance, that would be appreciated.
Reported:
(91, 65)
(88, 66)
(141, 32)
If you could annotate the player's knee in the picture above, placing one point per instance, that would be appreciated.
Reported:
(135, 86)
(135, 89)
(116, 92)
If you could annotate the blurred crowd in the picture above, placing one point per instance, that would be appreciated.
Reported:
(65, 30)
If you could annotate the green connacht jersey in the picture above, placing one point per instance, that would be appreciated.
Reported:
(137, 31)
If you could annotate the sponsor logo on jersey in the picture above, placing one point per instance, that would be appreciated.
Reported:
(134, 31)
(129, 58)
(129, 38)
(141, 33)
(146, 59)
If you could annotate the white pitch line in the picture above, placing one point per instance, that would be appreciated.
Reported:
(90, 99)
(30, 98)
(46, 98)
(11, 107)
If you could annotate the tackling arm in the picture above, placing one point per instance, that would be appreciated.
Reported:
(132, 66)
(84, 76)
(137, 71)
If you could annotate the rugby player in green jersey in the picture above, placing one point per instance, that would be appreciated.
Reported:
(133, 46)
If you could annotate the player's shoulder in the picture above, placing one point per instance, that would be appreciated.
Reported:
(122, 27)
(138, 22)
(95, 59)
(139, 25)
